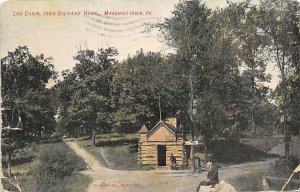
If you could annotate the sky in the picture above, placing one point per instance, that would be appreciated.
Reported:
(61, 37)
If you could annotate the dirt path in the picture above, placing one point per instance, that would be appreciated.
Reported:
(294, 148)
(104, 179)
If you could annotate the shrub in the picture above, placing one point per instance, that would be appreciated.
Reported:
(55, 163)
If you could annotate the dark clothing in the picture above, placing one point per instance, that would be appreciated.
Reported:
(173, 159)
(212, 177)
(173, 162)
(212, 174)
(196, 164)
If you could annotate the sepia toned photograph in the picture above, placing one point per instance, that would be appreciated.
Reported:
(150, 95)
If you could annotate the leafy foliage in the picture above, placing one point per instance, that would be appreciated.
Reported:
(281, 24)
(84, 95)
(54, 165)
(226, 50)
(214, 82)
(26, 99)
(141, 84)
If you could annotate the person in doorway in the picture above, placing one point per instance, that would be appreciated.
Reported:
(212, 176)
(173, 161)
(185, 161)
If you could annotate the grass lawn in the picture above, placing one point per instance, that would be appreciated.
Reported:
(248, 182)
(120, 152)
(26, 161)
(77, 183)
(229, 152)
(74, 183)
(114, 151)
(109, 140)
(264, 144)
(121, 157)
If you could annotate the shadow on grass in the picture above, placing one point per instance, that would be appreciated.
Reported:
(22, 160)
(115, 143)
(48, 141)
(101, 136)
(231, 151)
(122, 157)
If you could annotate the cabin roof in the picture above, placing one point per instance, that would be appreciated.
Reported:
(172, 128)
(144, 129)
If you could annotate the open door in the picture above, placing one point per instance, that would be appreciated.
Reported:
(161, 155)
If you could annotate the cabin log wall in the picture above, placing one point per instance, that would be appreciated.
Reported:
(161, 135)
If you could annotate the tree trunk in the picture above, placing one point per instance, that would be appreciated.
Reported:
(40, 134)
(253, 123)
(1, 173)
(238, 134)
(93, 137)
(287, 150)
(287, 139)
(253, 98)
(191, 105)
(8, 160)
(205, 153)
(211, 129)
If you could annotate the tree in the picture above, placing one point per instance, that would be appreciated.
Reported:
(26, 100)
(85, 92)
(206, 45)
(187, 31)
(141, 84)
(251, 51)
(281, 24)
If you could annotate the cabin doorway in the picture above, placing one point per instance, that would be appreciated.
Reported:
(161, 155)
(187, 151)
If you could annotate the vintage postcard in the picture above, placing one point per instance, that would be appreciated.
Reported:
(150, 95)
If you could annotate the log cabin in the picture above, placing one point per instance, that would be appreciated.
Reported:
(157, 144)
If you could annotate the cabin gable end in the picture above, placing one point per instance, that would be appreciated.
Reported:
(161, 133)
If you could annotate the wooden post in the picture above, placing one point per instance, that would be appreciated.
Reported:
(192, 151)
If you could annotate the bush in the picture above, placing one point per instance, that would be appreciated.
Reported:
(47, 183)
(57, 162)
(54, 164)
